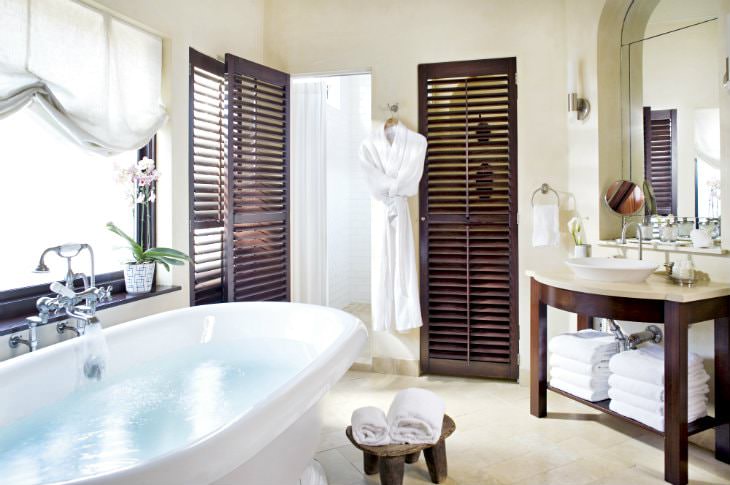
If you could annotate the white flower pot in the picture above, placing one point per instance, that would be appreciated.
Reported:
(138, 277)
(582, 251)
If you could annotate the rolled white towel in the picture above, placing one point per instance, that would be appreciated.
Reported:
(654, 420)
(697, 384)
(416, 416)
(579, 367)
(696, 403)
(647, 364)
(592, 395)
(369, 426)
(587, 346)
(589, 382)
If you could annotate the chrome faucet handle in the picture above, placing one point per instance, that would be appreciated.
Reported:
(62, 290)
(104, 293)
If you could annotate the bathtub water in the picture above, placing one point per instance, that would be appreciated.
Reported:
(143, 413)
(156, 411)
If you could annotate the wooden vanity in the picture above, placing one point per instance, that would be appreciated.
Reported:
(654, 301)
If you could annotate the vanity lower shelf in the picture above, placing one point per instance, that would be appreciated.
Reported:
(697, 426)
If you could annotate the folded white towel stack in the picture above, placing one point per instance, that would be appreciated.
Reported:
(579, 363)
(636, 385)
(369, 426)
(416, 416)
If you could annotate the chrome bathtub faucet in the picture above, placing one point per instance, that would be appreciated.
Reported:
(66, 300)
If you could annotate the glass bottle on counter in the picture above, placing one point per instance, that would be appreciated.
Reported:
(684, 227)
(669, 231)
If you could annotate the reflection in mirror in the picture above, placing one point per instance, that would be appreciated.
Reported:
(624, 198)
(673, 56)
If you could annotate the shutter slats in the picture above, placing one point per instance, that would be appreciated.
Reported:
(239, 163)
(468, 258)
(207, 153)
(259, 181)
(660, 157)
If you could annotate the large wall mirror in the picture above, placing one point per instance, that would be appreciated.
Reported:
(672, 68)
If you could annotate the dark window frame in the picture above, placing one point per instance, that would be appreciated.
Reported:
(20, 302)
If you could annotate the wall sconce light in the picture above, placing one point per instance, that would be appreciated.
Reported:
(580, 106)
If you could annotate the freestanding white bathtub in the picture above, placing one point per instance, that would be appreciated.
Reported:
(221, 394)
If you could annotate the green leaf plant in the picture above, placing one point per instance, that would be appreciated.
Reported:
(165, 256)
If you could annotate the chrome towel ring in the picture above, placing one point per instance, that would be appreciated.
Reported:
(544, 189)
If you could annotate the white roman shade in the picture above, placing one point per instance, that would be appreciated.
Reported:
(96, 77)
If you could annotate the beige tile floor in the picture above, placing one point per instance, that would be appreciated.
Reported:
(498, 442)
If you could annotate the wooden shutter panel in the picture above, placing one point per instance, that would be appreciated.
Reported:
(258, 171)
(468, 230)
(207, 150)
(660, 157)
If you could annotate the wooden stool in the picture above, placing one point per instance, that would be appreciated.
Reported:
(390, 460)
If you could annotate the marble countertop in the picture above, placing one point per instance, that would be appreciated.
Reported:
(656, 287)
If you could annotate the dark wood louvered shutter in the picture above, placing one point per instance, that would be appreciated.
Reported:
(660, 157)
(468, 208)
(258, 172)
(207, 174)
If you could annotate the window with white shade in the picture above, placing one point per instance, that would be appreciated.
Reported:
(80, 95)
(53, 191)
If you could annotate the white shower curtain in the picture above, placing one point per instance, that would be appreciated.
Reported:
(308, 192)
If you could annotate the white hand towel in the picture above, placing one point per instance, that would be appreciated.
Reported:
(545, 225)
(592, 395)
(697, 385)
(416, 416)
(369, 426)
(579, 367)
(587, 346)
(696, 403)
(647, 364)
(582, 380)
(654, 420)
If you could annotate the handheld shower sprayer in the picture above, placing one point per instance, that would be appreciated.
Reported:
(69, 251)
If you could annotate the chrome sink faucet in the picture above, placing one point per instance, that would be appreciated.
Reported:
(638, 232)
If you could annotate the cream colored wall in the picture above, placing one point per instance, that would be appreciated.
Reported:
(392, 37)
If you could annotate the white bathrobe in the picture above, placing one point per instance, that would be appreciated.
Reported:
(393, 172)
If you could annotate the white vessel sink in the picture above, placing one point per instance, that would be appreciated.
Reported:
(611, 269)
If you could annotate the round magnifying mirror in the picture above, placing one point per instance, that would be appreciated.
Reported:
(624, 197)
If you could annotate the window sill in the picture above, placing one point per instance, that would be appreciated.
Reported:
(18, 324)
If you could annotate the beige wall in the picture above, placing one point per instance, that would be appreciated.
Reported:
(391, 38)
